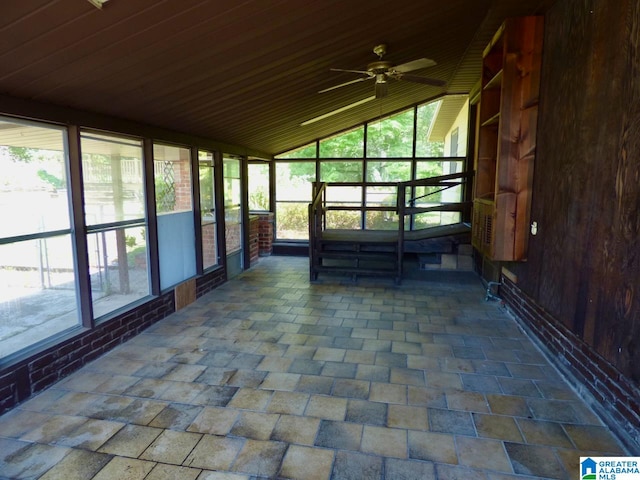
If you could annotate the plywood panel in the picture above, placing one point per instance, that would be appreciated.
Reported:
(185, 293)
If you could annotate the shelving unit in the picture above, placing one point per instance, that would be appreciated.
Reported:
(506, 139)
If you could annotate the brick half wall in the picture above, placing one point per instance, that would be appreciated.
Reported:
(24, 378)
(21, 380)
(614, 397)
(265, 234)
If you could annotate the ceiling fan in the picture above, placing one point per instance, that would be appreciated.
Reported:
(381, 71)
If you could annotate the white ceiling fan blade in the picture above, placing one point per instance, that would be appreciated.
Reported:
(338, 110)
(414, 65)
(418, 79)
(357, 80)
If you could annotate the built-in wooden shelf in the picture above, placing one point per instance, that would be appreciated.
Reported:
(503, 163)
(493, 120)
(495, 82)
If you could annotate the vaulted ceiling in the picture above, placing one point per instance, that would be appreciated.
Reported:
(242, 72)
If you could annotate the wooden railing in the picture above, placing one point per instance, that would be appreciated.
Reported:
(407, 207)
(317, 222)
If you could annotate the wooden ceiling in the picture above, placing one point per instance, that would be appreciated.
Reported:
(242, 72)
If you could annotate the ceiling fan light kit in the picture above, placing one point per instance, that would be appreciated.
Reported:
(339, 110)
(98, 3)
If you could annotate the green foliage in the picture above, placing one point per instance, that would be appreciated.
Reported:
(386, 138)
(343, 219)
(389, 171)
(137, 257)
(391, 137)
(130, 241)
(258, 186)
(336, 171)
(382, 220)
(51, 179)
(165, 196)
(205, 173)
(425, 148)
(21, 154)
(297, 172)
(308, 151)
(428, 169)
(259, 199)
(345, 145)
(294, 218)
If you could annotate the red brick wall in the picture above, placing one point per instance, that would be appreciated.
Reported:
(265, 237)
(618, 400)
(254, 232)
(182, 183)
(209, 247)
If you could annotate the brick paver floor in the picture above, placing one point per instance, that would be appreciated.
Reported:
(270, 376)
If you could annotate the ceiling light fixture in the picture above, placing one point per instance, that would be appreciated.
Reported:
(338, 110)
(98, 3)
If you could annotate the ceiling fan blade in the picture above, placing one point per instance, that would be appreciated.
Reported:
(418, 79)
(364, 72)
(358, 80)
(337, 110)
(382, 89)
(414, 65)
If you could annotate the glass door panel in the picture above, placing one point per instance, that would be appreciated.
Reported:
(233, 215)
(208, 209)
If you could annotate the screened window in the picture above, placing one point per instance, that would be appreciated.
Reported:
(232, 205)
(206, 174)
(347, 196)
(391, 171)
(112, 169)
(258, 186)
(426, 117)
(384, 199)
(391, 136)
(409, 145)
(341, 171)
(37, 270)
(431, 196)
(293, 194)
(174, 206)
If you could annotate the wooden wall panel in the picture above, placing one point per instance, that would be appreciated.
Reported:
(584, 264)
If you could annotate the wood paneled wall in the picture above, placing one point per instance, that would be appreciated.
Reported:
(584, 263)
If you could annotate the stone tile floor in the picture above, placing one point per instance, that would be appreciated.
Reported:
(270, 376)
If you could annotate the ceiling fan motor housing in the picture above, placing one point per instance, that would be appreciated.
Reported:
(379, 67)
